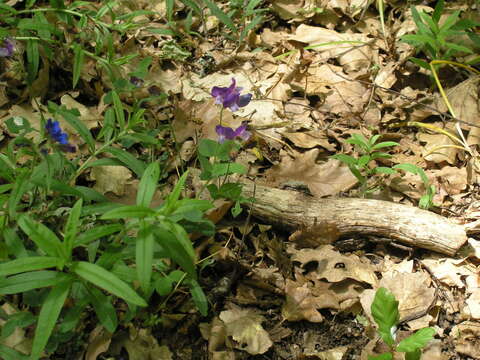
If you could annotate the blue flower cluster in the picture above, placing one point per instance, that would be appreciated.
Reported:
(55, 132)
(7, 47)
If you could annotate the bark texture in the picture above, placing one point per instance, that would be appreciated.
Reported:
(402, 223)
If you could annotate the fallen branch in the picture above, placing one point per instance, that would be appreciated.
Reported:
(405, 224)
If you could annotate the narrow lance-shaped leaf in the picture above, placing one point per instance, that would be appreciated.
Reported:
(48, 316)
(144, 257)
(104, 279)
(128, 159)
(104, 309)
(31, 280)
(78, 57)
(71, 226)
(27, 264)
(148, 184)
(42, 236)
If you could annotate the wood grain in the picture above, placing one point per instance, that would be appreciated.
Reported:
(402, 223)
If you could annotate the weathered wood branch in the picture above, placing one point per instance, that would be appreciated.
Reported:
(405, 224)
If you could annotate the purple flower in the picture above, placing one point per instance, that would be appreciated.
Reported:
(136, 81)
(7, 47)
(227, 133)
(55, 131)
(230, 97)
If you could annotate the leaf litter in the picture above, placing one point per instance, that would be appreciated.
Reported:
(286, 298)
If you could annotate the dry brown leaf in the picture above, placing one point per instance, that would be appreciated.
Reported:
(435, 150)
(88, 116)
(98, 342)
(245, 327)
(304, 301)
(467, 338)
(110, 179)
(351, 58)
(310, 139)
(326, 179)
(340, 95)
(335, 267)
(448, 271)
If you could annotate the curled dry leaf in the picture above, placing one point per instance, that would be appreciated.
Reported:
(245, 327)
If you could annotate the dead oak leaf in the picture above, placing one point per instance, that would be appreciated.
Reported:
(304, 301)
(335, 267)
(245, 327)
(324, 179)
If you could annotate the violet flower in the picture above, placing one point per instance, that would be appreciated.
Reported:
(7, 47)
(136, 81)
(227, 133)
(55, 131)
(230, 96)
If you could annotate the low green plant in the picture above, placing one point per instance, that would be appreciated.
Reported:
(384, 310)
(426, 200)
(440, 40)
(361, 167)
(245, 13)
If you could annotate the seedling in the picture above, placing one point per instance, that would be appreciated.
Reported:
(426, 201)
(385, 313)
(360, 167)
(439, 41)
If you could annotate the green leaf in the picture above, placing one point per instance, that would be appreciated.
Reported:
(127, 212)
(144, 257)
(42, 236)
(27, 264)
(363, 160)
(191, 4)
(407, 167)
(7, 353)
(33, 59)
(437, 13)
(71, 227)
(78, 57)
(104, 279)
(416, 341)
(384, 310)
(208, 148)
(20, 187)
(172, 199)
(420, 62)
(148, 184)
(198, 296)
(459, 48)
(414, 355)
(451, 20)
(174, 240)
(118, 107)
(224, 18)
(221, 169)
(383, 170)
(384, 144)
(384, 356)
(31, 280)
(128, 159)
(347, 159)
(71, 117)
(104, 309)
(48, 316)
(96, 233)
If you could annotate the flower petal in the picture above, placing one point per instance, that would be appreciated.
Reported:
(244, 100)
